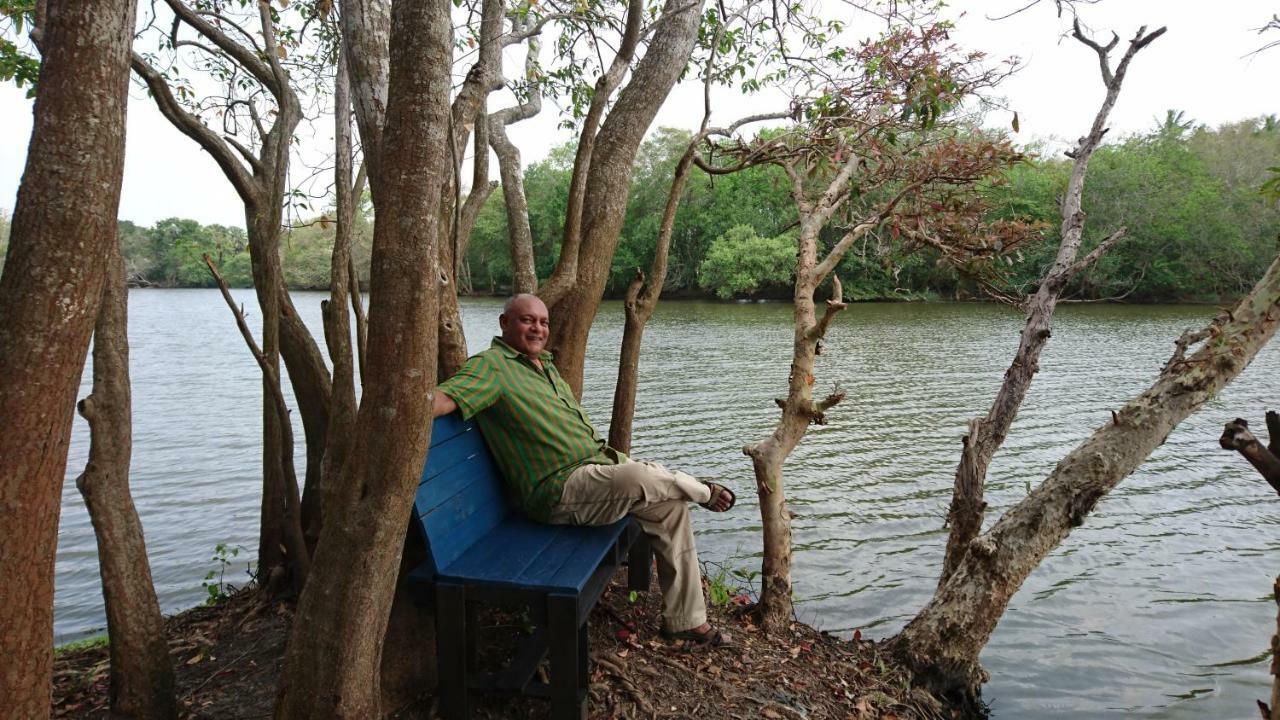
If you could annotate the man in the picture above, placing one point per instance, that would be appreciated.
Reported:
(563, 473)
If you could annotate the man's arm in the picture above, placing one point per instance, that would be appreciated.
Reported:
(442, 404)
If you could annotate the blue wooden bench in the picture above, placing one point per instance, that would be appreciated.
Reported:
(480, 548)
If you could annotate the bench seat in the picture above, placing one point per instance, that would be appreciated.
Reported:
(481, 548)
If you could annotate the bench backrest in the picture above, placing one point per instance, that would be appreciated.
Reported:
(461, 495)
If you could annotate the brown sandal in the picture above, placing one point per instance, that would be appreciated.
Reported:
(715, 489)
(713, 637)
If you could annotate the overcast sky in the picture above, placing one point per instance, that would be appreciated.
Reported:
(1201, 66)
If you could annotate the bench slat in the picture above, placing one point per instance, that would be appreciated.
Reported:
(450, 426)
(523, 554)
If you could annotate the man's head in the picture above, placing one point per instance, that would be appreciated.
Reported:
(525, 324)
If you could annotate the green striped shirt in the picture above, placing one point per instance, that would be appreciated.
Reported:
(532, 423)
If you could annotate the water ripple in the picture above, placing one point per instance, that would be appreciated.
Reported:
(1146, 610)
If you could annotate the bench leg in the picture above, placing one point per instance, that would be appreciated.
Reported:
(639, 564)
(568, 666)
(452, 652)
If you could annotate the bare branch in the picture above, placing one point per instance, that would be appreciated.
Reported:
(246, 153)
(191, 126)
(242, 55)
(1236, 436)
(1096, 253)
(834, 305)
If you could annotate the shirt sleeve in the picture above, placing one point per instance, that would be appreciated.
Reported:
(474, 388)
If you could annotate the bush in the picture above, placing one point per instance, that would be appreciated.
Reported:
(740, 263)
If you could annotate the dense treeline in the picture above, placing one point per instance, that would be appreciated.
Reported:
(1197, 227)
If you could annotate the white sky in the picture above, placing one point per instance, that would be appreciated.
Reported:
(1199, 66)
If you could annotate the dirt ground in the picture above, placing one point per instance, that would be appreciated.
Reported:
(227, 661)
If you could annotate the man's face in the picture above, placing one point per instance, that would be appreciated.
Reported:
(525, 325)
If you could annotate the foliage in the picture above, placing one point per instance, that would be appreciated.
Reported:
(1198, 227)
(93, 641)
(740, 262)
(729, 584)
(17, 62)
(214, 581)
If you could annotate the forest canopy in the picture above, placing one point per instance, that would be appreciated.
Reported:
(1198, 229)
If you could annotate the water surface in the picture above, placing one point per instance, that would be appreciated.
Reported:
(1156, 607)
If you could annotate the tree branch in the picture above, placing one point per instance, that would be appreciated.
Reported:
(242, 55)
(190, 125)
(1236, 436)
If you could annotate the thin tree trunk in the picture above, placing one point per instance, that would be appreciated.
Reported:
(285, 519)
(261, 185)
(362, 320)
(332, 660)
(943, 641)
(337, 317)
(524, 276)
(567, 270)
(988, 433)
(640, 301)
(775, 608)
(64, 223)
(573, 298)
(141, 673)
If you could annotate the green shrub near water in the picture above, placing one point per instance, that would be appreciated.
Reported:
(740, 262)
(93, 641)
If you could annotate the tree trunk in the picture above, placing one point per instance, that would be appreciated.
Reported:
(775, 608)
(988, 433)
(64, 223)
(279, 562)
(332, 660)
(141, 673)
(642, 297)
(608, 182)
(261, 186)
(337, 318)
(943, 641)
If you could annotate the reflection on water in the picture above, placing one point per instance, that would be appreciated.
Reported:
(1157, 607)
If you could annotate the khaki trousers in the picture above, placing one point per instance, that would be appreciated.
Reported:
(659, 500)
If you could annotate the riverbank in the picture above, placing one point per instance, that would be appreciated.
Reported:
(227, 659)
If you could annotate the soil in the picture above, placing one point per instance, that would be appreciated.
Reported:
(227, 657)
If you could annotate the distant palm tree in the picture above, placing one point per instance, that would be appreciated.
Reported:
(1174, 125)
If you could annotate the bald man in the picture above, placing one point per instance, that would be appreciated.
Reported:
(563, 473)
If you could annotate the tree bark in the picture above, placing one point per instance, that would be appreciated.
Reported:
(573, 298)
(988, 433)
(141, 674)
(639, 303)
(64, 223)
(943, 641)
(1236, 436)
(524, 277)
(331, 663)
(337, 317)
(775, 608)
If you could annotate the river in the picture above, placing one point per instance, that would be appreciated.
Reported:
(1157, 607)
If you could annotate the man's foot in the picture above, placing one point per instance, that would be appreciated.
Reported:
(722, 498)
(704, 634)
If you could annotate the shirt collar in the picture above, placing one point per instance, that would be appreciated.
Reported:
(512, 353)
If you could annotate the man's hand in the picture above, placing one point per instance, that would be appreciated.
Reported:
(442, 404)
